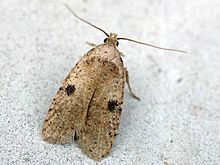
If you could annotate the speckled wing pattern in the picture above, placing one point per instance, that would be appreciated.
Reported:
(88, 104)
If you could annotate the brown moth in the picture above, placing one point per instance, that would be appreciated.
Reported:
(87, 107)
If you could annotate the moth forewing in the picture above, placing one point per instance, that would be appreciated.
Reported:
(88, 104)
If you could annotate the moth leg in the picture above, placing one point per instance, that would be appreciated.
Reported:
(129, 86)
(91, 44)
(121, 54)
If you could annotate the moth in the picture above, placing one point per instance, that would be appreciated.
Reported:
(88, 105)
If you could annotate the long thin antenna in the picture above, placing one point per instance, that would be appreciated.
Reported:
(121, 38)
(169, 49)
(84, 20)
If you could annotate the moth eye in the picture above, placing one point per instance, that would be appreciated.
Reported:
(105, 40)
(117, 43)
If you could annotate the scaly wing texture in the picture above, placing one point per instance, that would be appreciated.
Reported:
(88, 104)
(69, 107)
(104, 110)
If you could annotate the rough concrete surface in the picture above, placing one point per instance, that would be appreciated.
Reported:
(177, 120)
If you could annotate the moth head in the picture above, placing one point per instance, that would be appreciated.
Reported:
(112, 39)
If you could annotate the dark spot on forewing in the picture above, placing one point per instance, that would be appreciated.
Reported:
(112, 104)
(70, 89)
(120, 109)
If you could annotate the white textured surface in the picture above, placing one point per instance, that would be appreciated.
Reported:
(177, 122)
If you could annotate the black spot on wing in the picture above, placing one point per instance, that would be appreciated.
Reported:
(119, 109)
(70, 89)
(112, 104)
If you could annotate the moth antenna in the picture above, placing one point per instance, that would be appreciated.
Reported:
(154, 46)
(81, 19)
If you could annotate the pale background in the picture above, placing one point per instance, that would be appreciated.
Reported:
(177, 120)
